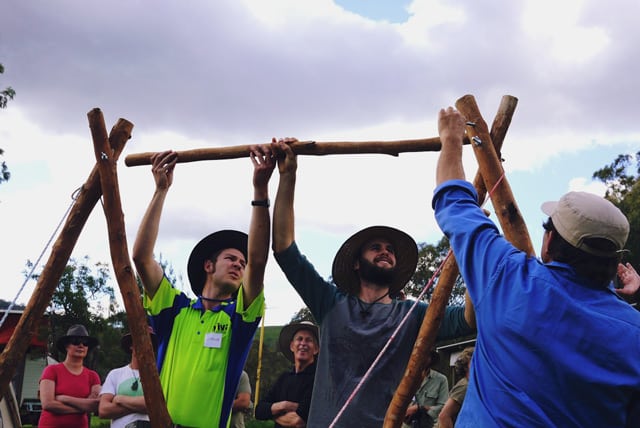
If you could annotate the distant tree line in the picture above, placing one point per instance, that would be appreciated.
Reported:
(5, 95)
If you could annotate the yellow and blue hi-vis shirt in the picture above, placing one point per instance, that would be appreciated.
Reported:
(201, 353)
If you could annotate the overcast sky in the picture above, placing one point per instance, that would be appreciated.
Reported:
(222, 73)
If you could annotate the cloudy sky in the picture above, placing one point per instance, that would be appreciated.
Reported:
(223, 73)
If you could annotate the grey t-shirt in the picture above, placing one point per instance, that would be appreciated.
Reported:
(350, 341)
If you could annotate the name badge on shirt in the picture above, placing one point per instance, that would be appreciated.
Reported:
(213, 340)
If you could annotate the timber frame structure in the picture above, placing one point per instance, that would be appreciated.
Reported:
(102, 182)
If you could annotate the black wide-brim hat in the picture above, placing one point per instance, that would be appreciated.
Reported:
(77, 330)
(287, 333)
(209, 245)
(126, 341)
(406, 252)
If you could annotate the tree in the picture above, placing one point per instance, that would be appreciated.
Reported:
(5, 95)
(430, 257)
(304, 314)
(621, 178)
(85, 297)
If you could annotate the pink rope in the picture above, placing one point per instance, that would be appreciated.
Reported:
(386, 346)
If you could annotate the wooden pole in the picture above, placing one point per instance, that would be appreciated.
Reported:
(48, 281)
(490, 168)
(10, 403)
(154, 398)
(393, 148)
(256, 398)
(425, 342)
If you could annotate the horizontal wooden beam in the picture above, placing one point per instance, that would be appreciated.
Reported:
(393, 148)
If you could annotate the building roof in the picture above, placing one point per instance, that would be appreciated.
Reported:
(9, 325)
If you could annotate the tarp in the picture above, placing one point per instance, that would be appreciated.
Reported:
(38, 340)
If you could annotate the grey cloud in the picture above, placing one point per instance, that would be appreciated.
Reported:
(200, 67)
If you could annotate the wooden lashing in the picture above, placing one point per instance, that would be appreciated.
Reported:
(392, 148)
(49, 278)
(490, 171)
(153, 395)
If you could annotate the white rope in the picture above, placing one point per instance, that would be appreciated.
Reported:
(74, 196)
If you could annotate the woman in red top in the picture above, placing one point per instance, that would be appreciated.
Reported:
(68, 390)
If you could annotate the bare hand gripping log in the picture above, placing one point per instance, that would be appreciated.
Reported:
(392, 148)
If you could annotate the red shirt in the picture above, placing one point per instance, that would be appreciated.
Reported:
(70, 384)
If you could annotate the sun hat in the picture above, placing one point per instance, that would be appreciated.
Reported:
(580, 215)
(406, 250)
(126, 340)
(76, 330)
(287, 333)
(206, 247)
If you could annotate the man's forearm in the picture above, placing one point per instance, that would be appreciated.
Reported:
(283, 214)
(469, 310)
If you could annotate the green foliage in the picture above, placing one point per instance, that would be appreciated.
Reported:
(79, 291)
(430, 257)
(621, 178)
(5, 175)
(96, 422)
(273, 363)
(304, 314)
(83, 296)
(6, 94)
(170, 273)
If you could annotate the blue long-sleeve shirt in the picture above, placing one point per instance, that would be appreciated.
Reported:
(552, 349)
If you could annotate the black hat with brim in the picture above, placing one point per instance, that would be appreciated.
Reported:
(77, 330)
(126, 341)
(406, 252)
(209, 245)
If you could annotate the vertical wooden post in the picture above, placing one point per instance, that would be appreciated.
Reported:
(490, 168)
(63, 247)
(154, 398)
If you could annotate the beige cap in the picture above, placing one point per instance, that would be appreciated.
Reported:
(581, 215)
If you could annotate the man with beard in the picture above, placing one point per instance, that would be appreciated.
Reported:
(357, 315)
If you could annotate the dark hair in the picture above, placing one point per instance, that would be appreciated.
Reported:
(461, 366)
(214, 257)
(597, 269)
